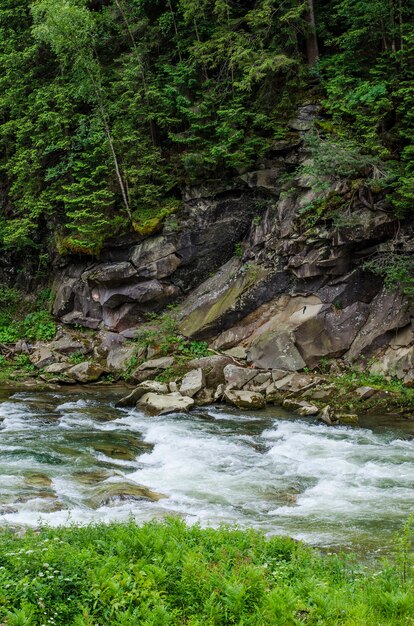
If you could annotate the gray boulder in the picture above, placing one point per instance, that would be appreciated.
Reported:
(275, 350)
(148, 386)
(119, 357)
(213, 368)
(244, 399)
(150, 291)
(237, 377)
(300, 407)
(58, 368)
(192, 382)
(157, 404)
(157, 364)
(42, 356)
(86, 372)
(204, 397)
(68, 345)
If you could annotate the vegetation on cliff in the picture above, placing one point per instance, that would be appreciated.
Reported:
(109, 107)
(170, 574)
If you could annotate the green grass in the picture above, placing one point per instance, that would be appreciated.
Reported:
(169, 574)
(401, 395)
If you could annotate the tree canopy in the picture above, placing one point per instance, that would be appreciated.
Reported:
(109, 107)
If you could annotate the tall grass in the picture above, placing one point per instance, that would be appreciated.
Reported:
(170, 574)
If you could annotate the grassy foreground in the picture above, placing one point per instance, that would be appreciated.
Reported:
(167, 573)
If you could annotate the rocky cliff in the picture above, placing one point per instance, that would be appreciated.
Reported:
(246, 266)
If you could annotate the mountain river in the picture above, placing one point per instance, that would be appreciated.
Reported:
(71, 456)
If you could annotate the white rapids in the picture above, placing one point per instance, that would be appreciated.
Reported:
(283, 475)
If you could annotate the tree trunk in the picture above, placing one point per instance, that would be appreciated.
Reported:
(312, 49)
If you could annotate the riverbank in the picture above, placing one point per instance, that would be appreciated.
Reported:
(169, 573)
(335, 391)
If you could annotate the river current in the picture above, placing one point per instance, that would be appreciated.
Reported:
(73, 457)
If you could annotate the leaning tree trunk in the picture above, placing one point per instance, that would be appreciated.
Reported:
(312, 49)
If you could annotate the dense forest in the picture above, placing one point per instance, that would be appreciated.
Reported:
(109, 107)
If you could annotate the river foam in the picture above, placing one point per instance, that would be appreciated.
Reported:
(328, 486)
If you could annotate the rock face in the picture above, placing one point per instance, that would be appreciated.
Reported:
(137, 277)
(252, 276)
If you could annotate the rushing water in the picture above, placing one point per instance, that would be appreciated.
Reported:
(73, 457)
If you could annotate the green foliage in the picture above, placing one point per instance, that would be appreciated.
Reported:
(367, 75)
(165, 337)
(9, 298)
(397, 270)
(38, 326)
(167, 573)
(397, 395)
(77, 357)
(108, 109)
(238, 250)
(24, 318)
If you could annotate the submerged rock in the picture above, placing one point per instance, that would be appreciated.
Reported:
(350, 419)
(91, 477)
(37, 480)
(112, 492)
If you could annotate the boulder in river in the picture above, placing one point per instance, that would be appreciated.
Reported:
(145, 387)
(326, 415)
(212, 367)
(244, 399)
(301, 407)
(347, 419)
(157, 404)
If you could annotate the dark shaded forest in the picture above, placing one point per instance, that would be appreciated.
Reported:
(109, 108)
